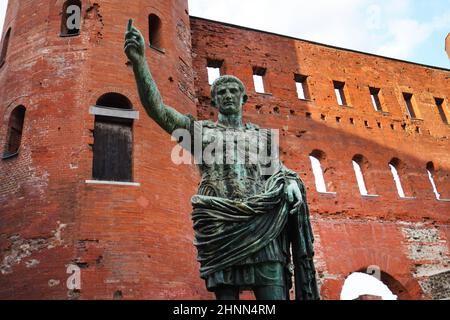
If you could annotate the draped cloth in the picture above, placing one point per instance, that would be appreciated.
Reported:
(228, 231)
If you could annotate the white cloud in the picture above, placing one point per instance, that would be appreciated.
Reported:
(382, 27)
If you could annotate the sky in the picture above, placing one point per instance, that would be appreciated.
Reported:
(412, 30)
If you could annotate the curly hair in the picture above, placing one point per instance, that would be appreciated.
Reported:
(226, 79)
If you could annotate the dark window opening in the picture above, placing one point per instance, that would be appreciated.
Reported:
(5, 47)
(409, 104)
(113, 142)
(15, 128)
(440, 106)
(112, 149)
(155, 32)
(71, 18)
(374, 93)
(114, 100)
(302, 86)
(340, 92)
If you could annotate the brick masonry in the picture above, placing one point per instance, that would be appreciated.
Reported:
(135, 241)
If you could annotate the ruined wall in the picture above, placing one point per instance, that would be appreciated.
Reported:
(352, 231)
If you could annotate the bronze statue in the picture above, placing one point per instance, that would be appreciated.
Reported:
(246, 214)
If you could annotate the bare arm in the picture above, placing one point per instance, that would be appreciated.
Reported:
(166, 117)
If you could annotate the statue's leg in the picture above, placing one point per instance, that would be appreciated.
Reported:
(227, 293)
(270, 293)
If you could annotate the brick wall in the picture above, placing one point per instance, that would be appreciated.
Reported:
(135, 241)
(352, 231)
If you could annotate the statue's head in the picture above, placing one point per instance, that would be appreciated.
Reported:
(228, 95)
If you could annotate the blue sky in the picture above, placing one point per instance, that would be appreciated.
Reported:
(412, 30)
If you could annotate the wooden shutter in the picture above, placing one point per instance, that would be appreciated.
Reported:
(113, 141)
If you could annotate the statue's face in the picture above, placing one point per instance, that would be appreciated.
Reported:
(229, 98)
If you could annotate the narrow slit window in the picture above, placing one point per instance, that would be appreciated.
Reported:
(258, 79)
(431, 173)
(409, 105)
(15, 128)
(318, 174)
(155, 32)
(375, 96)
(5, 47)
(71, 18)
(440, 107)
(393, 165)
(302, 86)
(113, 142)
(213, 67)
(340, 92)
(360, 178)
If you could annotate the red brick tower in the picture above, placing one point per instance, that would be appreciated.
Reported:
(61, 84)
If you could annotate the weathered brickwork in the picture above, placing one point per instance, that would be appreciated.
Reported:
(135, 241)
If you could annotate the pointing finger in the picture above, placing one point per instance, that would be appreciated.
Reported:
(130, 24)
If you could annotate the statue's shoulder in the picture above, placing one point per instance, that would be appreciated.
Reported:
(251, 126)
(215, 125)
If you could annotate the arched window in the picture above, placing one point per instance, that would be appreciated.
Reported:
(431, 172)
(114, 100)
(155, 31)
(318, 158)
(5, 47)
(14, 136)
(361, 168)
(396, 166)
(113, 140)
(71, 18)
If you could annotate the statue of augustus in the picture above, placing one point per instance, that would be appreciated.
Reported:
(247, 214)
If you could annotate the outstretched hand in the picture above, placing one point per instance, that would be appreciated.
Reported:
(294, 195)
(134, 44)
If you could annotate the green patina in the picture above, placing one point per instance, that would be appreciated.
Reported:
(245, 220)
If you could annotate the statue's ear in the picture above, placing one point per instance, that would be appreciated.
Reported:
(245, 98)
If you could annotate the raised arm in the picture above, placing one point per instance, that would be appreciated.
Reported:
(166, 117)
